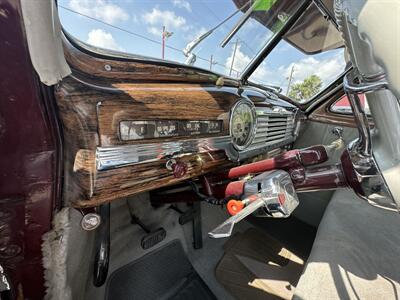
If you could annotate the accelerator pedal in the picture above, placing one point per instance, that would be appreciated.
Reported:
(153, 237)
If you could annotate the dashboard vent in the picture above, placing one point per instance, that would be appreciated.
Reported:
(273, 127)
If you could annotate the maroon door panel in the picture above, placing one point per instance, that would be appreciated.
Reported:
(28, 159)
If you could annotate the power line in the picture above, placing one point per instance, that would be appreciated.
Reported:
(120, 28)
(138, 35)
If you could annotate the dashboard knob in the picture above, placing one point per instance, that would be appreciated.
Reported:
(178, 168)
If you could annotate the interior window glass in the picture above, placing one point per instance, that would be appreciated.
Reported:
(163, 28)
(342, 106)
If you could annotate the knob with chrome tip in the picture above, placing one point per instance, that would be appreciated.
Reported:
(337, 144)
(338, 131)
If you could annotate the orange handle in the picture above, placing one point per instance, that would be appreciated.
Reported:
(234, 206)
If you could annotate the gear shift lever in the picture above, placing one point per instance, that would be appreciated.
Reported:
(225, 229)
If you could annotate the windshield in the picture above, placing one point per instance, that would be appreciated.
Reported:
(309, 57)
(164, 28)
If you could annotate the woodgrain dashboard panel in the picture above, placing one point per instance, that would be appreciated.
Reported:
(104, 91)
(90, 119)
(160, 102)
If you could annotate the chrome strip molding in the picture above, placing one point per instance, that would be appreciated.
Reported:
(119, 156)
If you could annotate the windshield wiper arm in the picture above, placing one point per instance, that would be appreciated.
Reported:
(187, 51)
(239, 23)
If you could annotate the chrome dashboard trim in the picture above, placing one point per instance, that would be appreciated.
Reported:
(265, 136)
(124, 155)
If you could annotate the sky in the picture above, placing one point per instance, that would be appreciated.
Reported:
(144, 19)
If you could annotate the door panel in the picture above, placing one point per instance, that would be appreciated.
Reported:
(313, 204)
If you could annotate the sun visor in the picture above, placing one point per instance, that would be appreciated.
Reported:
(43, 33)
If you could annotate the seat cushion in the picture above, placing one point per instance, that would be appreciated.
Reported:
(356, 253)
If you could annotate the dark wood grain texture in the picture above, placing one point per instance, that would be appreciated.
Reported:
(91, 115)
(103, 91)
(163, 101)
(122, 182)
(93, 101)
(126, 68)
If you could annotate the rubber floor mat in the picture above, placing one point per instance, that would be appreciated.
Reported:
(256, 266)
(165, 273)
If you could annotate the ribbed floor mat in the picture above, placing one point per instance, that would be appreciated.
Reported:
(165, 273)
(256, 266)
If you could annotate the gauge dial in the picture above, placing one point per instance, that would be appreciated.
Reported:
(242, 124)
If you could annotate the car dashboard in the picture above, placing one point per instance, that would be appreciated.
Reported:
(120, 135)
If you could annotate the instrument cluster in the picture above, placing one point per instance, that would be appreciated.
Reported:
(151, 129)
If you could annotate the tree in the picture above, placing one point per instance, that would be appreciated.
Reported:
(306, 89)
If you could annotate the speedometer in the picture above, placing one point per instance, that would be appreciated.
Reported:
(242, 124)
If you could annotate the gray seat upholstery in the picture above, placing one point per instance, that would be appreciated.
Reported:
(356, 253)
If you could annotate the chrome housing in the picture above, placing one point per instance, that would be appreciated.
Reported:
(270, 194)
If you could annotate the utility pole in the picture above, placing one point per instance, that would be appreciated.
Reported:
(290, 80)
(165, 35)
(233, 57)
(212, 62)
(163, 42)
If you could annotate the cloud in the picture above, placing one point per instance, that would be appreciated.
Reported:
(240, 63)
(158, 18)
(100, 9)
(182, 4)
(102, 39)
(327, 69)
